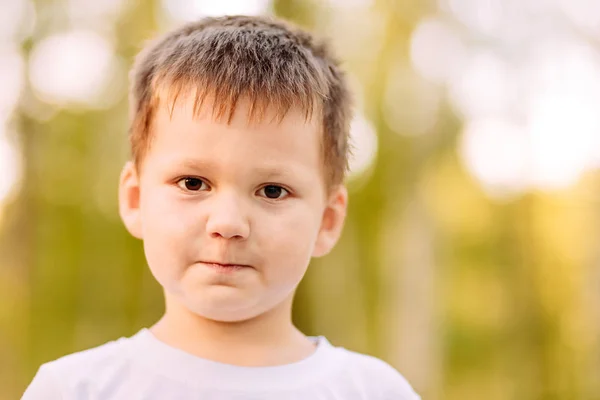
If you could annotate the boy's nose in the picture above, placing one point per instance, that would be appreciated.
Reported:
(227, 219)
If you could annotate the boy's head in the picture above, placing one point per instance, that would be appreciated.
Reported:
(239, 139)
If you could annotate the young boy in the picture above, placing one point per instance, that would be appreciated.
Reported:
(239, 138)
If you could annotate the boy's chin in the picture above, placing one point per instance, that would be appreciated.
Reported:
(223, 310)
(229, 318)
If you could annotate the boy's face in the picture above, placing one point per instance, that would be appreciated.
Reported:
(249, 195)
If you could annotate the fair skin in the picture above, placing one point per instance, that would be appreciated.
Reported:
(230, 216)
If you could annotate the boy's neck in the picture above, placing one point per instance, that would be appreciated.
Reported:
(266, 340)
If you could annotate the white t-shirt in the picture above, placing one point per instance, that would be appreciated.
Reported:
(143, 367)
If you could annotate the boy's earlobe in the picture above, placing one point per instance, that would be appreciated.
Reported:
(129, 199)
(333, 222)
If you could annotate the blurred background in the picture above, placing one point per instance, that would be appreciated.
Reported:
(470, 259)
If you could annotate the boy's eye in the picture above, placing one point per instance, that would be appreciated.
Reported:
(274, 192)
(191, 184)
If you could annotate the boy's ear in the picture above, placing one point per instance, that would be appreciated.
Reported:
(332, 222)
(129, 199)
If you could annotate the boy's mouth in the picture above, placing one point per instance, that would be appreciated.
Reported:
(224, 267)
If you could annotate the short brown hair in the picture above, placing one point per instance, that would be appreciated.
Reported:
(268, 61)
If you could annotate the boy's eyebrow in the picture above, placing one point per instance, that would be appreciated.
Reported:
(273, 171)
(196, 164)
(267, 171)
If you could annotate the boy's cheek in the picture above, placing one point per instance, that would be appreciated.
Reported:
(166, 258)
(162, 209)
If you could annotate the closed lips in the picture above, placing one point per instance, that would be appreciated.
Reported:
(226, 264)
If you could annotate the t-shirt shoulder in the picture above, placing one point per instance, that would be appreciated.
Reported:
(381, 376)
(80, 368)
(144, 364)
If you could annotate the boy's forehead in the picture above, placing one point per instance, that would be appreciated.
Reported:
(181, 130)
(192, 103)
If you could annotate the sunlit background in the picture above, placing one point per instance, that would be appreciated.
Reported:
(471, 255)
